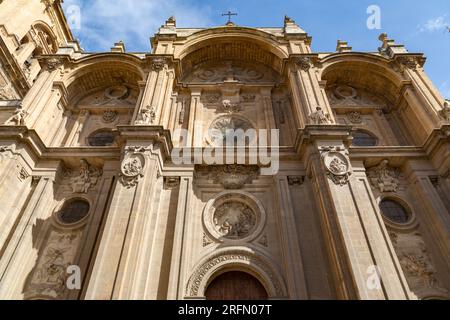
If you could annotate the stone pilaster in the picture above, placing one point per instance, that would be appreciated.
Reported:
(179, 253)
(21, 254)
(353, 227)
(295, 276)
(309, 95)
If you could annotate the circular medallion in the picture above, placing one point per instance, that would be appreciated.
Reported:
(133, 165)
(234, 220)
(234, 217)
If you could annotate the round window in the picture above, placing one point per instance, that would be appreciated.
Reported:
(394, 211)
(364, 139)
(74, 211)
(104, 138)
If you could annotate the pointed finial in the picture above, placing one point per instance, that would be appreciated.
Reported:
(288, 20)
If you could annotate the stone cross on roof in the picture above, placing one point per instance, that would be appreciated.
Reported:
(229, 14)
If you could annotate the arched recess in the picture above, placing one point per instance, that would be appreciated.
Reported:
(229, 259)
(99, 72)
(44, 37)
(244, 67)
(366, 85)
(102, 91)
(231, 44)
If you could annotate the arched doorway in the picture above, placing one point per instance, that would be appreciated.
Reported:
(236, 285)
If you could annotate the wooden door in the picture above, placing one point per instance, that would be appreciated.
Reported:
(236, 286)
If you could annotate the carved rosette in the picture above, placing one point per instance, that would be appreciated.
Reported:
(109, 116)
(355, 117)
(132, 167)
(337, 164)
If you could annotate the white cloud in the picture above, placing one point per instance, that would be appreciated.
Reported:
(436, 24)
(104, 22)
(444, 88)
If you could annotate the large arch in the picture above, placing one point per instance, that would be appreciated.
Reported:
(231, 44)
(98, 72)
(364, 71)
(247, 260)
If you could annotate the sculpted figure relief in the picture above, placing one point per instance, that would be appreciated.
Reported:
(234, 220)
(86, 179)
(320, 117)
(148, 116)
(18, 118)
(445, 112)
(385, 177)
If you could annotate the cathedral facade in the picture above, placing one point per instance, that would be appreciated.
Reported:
(115, 182)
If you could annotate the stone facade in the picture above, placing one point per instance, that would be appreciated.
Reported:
(88, 177)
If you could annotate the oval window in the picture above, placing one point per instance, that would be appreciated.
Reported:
(394, 211)
(103, 138)
(74, 211)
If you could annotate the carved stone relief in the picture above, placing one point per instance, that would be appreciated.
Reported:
(296, 180)
(113, 96)
(234, 220)
(85, 179)
(50, 274)
(234, 217)
(198, 281)
(445, 112)
(109, 116)
(223, 127)
(206, 240)
(132, 168)
(171, 182)
(348, 96)
(159, 63)
(18, 118)
(6, 92)
(355, 117)
(320, 116)
(337, 164)
(416, 262)
(147, 116)
(230, 71)
(384, 177)
(231, 176)
(230, 107)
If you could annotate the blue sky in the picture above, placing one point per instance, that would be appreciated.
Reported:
(419, 25)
